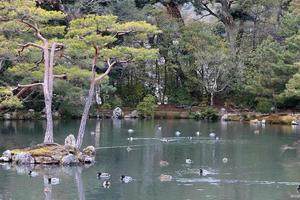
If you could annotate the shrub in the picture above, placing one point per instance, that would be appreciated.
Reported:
(209, 113)
(264, 105)
(147, 106)
(106, 106)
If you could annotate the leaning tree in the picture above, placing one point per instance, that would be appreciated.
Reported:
(108, 43)
(32, 26)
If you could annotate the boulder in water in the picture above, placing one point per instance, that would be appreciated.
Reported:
(69, 160)
(24, 158)
(117, 113)
(70, 140)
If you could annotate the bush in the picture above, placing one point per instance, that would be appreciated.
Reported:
(208, 113)
(264, 105)
(116, 101)
(147, 106)
(106, 106)
(11, 103)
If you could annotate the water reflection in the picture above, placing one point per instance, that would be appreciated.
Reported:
(45, 173)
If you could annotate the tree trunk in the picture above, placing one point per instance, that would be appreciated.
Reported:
(173, 11)
(86, 110)
(47, 97)
(211, 99)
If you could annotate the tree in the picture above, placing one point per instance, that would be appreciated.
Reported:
(21, 15)
(110, 42)
(212, 64)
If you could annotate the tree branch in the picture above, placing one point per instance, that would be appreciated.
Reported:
(30, 85)
(35, 28)
(28, 45)
(110, 65)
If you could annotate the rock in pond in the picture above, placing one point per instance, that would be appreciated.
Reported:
(70, 140)
(49, 154)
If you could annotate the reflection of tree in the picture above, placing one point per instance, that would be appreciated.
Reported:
(79, 183)
(47, 189)
(44, 172)
(97, 133)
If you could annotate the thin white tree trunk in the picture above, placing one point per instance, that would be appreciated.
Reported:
(47, 97)
(211, 98)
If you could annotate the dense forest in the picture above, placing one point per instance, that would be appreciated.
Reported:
(243, 54)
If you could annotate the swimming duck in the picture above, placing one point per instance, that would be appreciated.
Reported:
(102, 175)
(32, 173)
(201, 172)
(130, 130)
(177, 133)
(106, 184)
(212, 135)
(188, 161)
(225, 160)
(163, 163)
(130, 139)
(53, 181)
(128, 148)
(165, 177)
(298, 189)
(126, 179)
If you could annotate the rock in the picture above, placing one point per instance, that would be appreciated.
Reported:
(224, 117)
(56, 115)
(254, 121)
(6, 157)
(46, 160)
(24, 158)
(7, 154)
(117, 113)
(7, 116)
(87, 159)
(89, 151)
(134, 114)
(70, 140)
(69, 160)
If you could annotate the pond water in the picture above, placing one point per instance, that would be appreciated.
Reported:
(263, 162)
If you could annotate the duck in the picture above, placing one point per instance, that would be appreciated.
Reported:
(106, 184)
(53, 181)
(130, 130)
(201, 172)
(128, 149)
(165, 178)
(130, 139)
(177, 133)
(298, 189)
(188, 161)
(32, 173)
(197, 133)
(126, 179)
(163, 163)
(102, 175)
(212, 135)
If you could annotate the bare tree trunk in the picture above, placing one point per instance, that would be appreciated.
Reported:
(88, 102)
(211, 99)
(47, 97)
(86, 110)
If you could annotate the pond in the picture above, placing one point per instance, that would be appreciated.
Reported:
(246, 161)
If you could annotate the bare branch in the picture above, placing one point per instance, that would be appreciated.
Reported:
(30, 85)
(63, 76)
(35, 28)
(110, 65)
(29, 44)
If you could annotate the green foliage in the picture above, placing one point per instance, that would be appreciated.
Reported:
(8, 101)
(209, 113)
(264, 105)
(106, 106)
(147, 106)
